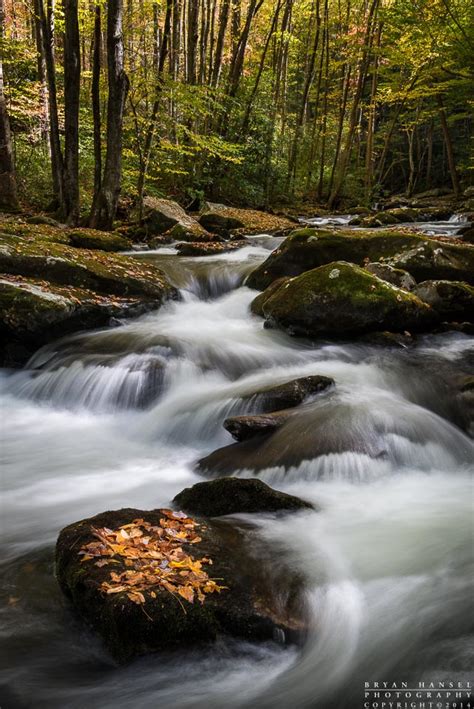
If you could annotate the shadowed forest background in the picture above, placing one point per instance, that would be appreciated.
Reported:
(257, 103)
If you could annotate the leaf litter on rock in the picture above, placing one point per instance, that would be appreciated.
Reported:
(154, 559)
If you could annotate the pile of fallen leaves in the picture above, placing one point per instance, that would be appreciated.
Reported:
(154, 558)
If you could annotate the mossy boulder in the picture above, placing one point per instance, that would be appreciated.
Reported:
(401, 215)
(34, 311)
(228, 496)
(256, 306)
(433, 259)
(343, 299)
(397, 276)
(161, 215)
(451, 300)
(82, 268)
(209, 249)
(102, 240)
(222, 219)
(309, 248)
(258, 602)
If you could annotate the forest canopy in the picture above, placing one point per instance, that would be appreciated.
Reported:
(252, 102)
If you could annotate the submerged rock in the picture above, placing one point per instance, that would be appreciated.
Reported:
(340, 299)
(243, 427)
(450, 299)
(258, 601)
(396, 276)
(227, 496)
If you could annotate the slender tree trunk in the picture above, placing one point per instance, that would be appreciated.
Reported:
(44, 101)
(192, 40)
(95, 98)
(72, 78)
(223, 21)
(47, 27)
(104, 215)
(449, 147)
(150, 134)
(8, 186)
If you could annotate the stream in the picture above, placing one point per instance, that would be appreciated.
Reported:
(117, 418)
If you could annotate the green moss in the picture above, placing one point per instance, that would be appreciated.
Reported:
(341, 298)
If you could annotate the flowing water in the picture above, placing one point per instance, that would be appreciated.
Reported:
(118, 417)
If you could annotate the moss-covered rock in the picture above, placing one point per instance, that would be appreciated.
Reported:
(309, 248)
(209, 249)
(401, 215)
(257, 601)
(161, 215)
(433, 259)
(34, 311)
(227, 496)
(452, 300)
(95, 270)
(102, 240)
(221, 219)
(256, 306)
(343, 299)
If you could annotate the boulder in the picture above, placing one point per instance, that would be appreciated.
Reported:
(289, 394)
(221, 219)
(228, 496)
(256, 306)
(33, 312)
(209, 249)
(161, 215)
(244, 427)
(396, 276)
(308, 248)
(102, 240)
(154, 596)
(435, 259)
(451, 300)
(342, 299)
(403, 215)
(82, 268)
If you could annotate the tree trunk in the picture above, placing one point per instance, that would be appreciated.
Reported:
(223, 20)
(449, 148)
(104, 215)
(192, 40)
(72, 78)
(95, 97)
(47, 28)
(8, 186)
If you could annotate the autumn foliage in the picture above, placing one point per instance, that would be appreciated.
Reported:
(153, 557)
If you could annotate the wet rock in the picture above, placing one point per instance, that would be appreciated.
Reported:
(450, 299)
(209, 249)
(256, 306)
(33, 311)
(396, 276)
(289, 394)
(43, 219)
(309, 248)
(227, 496)
(401, 215)
(161, 215)
(467, 234)
(244, 427)
(259, 600)
(93, 239)
(423, 257)
(340, 299)
(221, 219)
(437, 260)
(82, 268)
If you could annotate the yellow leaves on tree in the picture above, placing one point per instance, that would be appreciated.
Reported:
(153, 558)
